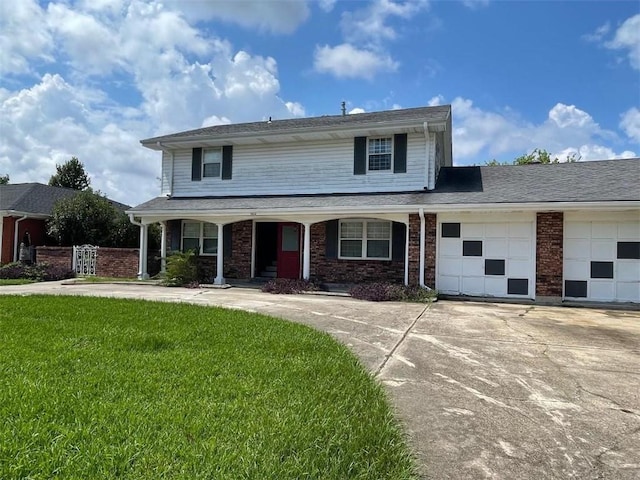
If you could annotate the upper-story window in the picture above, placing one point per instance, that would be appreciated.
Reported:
(380, 153)
(201, 237)
(212, 162)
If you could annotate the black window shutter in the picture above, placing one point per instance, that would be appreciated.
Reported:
(227, 156)
(400, 153)
(227, 241)
(196, 164)
(398, 241)
(331, 239)
(175, 227)
(359, 155)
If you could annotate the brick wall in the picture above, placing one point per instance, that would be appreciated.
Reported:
(549, 253)
(334, 270)
(430, 220)
(111, 262)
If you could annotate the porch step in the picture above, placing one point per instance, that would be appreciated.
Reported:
(269, 273)
(271, 268)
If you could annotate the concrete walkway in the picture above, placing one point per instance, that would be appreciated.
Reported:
(484, 390)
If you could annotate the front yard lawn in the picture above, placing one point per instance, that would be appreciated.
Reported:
(106, 388)
(15, 281)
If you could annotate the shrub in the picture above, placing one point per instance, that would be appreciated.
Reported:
(181, 269)
(289, 285)
(40, 272)
(387, 292)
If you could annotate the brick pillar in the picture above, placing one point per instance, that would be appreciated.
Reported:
(430, 220)
(549, 256)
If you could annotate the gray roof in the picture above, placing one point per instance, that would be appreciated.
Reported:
(599, 181)
(37, 198)
(429, 114)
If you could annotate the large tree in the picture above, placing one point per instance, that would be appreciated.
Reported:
(538, 155)
(70, 174)
(89, 218)
(4, 179)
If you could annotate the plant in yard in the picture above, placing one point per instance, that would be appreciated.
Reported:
(181, 269)
(39, 272)
(289, 285)
(109, 388)
(388, 292)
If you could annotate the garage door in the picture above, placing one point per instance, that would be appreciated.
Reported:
(602, 260)
(494, 259)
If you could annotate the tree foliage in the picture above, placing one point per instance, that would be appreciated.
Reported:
(89, 218)
(538, 155)
(4, 179)
(70, 174)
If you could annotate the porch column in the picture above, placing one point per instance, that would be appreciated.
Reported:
(144, 243)
(422, 253)
(306, 253)
(219, 280)
(406, 254)
(163, 247)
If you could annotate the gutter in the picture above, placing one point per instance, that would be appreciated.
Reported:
(15, 237)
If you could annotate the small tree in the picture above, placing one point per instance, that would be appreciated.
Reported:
(70, 174)
(538, 155)
(4, 179)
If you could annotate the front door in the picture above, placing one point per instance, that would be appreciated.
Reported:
(288, 250)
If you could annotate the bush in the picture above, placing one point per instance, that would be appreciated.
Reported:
(181, 269)
(389, 292)
(39, 272)
(288, 286)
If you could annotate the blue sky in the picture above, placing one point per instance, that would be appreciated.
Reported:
(91, 78)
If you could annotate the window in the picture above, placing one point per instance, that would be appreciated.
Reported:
(380, 153)
(365, 239)
(202, 237)
(212, 162)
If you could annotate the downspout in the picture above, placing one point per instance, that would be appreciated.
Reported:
(422, 234)
(15, 237)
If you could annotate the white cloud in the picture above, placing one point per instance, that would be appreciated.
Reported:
(436, 101)
(475, 4)
(481, 135)
(598, 34)
(630, 123)
(326, 5)
(371, 24)
(20, 45)
(347, 61)
(282, 16)
(627, 37)
(356, 110)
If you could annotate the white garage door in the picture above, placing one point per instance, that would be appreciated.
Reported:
(602, 260)
(495, 259)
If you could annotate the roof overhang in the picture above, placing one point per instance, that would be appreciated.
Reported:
(323, 213)
(16, 213)
(307, 134)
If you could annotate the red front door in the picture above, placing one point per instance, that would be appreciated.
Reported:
(288, 250)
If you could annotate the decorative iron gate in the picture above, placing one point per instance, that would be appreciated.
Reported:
(85, 258)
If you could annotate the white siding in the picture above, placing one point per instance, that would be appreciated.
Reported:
(298, 168)
(166, 174)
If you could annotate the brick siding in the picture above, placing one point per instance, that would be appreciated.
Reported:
(549, 253)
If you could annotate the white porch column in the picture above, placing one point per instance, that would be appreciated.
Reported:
(163, 247)
(219, 280)
(306, 253)
(422, 252)
(144, 244)
(406, 254)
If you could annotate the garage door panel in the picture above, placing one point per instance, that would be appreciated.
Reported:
(577, 248)
(603, 249)
(579, 230)
(606, 230)
(472, 230)
(473, 266)
(449, 284)
(450, 266)
(473, 285)
(519, 230)
(603, 290)
(576, 269)
(496, 230)
(495, 286)
(495, 248)
(628, 271)
(519, 248)
(628, 291)
(450, 246)
(518, 268)
(629, 231)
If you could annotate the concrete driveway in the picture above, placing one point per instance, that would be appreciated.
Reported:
(485, 390)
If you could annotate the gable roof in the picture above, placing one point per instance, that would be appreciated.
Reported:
(432, 115)
(37, 198)
(580, 182)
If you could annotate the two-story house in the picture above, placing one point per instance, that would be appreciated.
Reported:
(375, 196)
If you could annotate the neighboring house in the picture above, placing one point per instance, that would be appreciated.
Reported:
(374, 197)
(26, 207)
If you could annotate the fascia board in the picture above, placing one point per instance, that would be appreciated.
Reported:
(162, 144)
(16, 213)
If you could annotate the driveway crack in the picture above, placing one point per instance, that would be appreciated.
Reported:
(400, 341)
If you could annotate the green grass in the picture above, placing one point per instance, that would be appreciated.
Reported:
(104, 388)
(15, 281)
